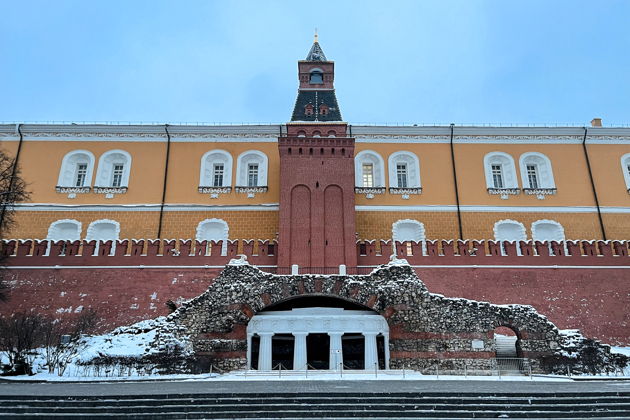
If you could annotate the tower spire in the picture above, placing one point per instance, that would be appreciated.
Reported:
(316, 53)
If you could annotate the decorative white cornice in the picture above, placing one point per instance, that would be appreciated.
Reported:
(363, 133)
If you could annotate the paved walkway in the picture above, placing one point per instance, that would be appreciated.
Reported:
(336, 386)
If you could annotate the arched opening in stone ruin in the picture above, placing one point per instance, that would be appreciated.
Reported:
(506, 342)
(317, 332)
(507, 349)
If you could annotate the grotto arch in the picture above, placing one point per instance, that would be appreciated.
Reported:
(317, 331)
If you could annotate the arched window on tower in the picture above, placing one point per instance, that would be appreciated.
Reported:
(323, 109)
(308, 110)
(316, 77)
(213, 230)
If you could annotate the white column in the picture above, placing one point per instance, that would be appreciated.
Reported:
(336, 350)
(371, 356)
(249, 351)
(264, 352)
(386, 342)
(299, 351)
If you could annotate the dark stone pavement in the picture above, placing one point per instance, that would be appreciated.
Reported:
(319, 386)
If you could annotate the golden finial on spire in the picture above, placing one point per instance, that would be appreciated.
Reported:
(315, 36)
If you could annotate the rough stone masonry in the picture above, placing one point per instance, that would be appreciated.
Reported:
(426, 329)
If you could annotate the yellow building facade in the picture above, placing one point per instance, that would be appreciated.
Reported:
(212, 182)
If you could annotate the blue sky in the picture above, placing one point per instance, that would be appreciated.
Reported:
(419, 62)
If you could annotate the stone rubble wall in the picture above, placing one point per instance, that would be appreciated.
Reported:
(425, 329)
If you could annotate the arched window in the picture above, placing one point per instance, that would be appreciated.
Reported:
(63, 230)
(213, 230)
(409, 230)
(216, 169)
(547, 231)
(369, 169)
(509, 231)
(500, 171)
(113, 169)
(252, 169)
(103, 230)
(625, 167)
(308, 109)
(316, 77)
(404, 170)
(536, 172)
(77, 168)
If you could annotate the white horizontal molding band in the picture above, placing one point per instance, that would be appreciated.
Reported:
(489, 140)
(144, 207)
(151, 139)
(536, 267)
(497, 209)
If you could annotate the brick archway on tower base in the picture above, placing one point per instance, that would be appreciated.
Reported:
(425, 328)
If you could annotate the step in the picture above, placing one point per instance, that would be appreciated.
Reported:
(333, 414)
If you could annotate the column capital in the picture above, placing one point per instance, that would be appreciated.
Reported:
(266, 334)
(370, 333)
(300, 333)
(332, 333)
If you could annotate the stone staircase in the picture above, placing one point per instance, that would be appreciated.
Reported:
(383, 405)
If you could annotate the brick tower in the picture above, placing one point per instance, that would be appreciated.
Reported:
(317, 226)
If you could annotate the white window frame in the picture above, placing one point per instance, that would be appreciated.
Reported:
(208, 160)
(561, 238)
(91, 234)
(625, 162)
(378, 165)
(225, 230)
(413, 169)
(104, 174)
(508, 169)
(543, 170)
(521, 231)
(67, 173)
(419, 233)
(242, 163)
(54, 236)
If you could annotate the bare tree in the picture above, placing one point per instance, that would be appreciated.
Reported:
(12, 190)
(63, 339)
(19, 336)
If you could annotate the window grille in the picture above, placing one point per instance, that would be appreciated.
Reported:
(117, 175)
(497, 176)
(217, 179)
(401, 174)
(532, 176)
(252, 175)
(368, 175)
(80, 175)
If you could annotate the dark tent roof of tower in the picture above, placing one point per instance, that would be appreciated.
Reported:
(316, 98)
(316, 53)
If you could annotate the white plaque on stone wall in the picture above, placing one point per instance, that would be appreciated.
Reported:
(477, 344)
